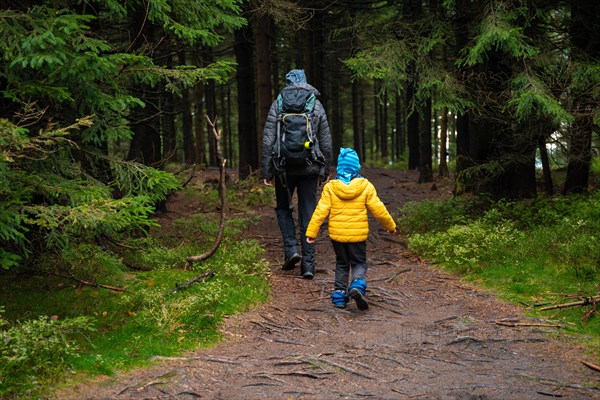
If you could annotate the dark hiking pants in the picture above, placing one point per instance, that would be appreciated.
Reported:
(306, 187)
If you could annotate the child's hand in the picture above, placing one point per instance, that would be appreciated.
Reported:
(394, 232)
(310, 240)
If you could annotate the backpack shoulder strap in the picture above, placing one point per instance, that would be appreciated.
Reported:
(279, 103)
(309, 107)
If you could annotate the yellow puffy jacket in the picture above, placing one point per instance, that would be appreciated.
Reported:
(347, 205)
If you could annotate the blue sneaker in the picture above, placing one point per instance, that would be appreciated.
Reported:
(357, 291)
(339, 298)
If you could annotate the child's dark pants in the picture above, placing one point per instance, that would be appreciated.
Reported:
(349, 258)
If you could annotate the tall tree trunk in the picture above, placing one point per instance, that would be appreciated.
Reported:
(199, 149)
(263, 69)
(315, 56)
(189, 151)
(384, 129)
(400, 125)
(443, 167)
(517, 179)
(145, 145)
(275, 60)
(224, 99)
(363, 129)
(548, 185)
(435, 139)
(247, 132)
(377, 113)
(210, 104)
(336, 121)
(335, 108)
(412, 134)
(167, 121)
(168, 126)
(580, 156)
(412, 10)
(425, 168)
(211, 110)
(585, 40)
(357, 118)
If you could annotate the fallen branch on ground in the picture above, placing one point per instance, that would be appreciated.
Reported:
(514, 324)
(208, 274)
(207, 359)
(471, 339)
(88, 283)
(585, 301)
(191, 176)
(592, 366)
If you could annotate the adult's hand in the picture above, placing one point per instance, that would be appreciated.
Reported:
(268, 182)
(310, 240)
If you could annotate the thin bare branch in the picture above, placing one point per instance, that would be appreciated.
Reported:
(222, 162)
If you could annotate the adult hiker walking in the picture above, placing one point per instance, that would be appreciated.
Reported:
(296, 155)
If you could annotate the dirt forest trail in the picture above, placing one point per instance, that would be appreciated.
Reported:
(426, 335)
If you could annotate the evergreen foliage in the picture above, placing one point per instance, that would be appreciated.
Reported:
(47, 199)
(67, 74)
(511, 71)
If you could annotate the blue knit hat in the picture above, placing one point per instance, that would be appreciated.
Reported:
(348, 165)
(294, 77)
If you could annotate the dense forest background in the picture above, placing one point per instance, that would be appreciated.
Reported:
(99, 97)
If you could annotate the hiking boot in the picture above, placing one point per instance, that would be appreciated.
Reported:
(291, 262)
(339, 298)
(307, 271)
(357, 291)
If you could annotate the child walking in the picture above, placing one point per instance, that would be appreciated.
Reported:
(346, 200)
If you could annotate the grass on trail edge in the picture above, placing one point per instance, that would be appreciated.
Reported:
(533, 253)
(126, 329)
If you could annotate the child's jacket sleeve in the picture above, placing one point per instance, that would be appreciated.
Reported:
(377, 208)
(321, 212)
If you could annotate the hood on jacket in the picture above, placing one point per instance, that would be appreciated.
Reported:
(295, 77)
(348, 191)
(348, 165)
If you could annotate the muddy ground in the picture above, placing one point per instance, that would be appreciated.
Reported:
(426, 335)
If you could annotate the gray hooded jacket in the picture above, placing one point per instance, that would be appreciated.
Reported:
(322, 133)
